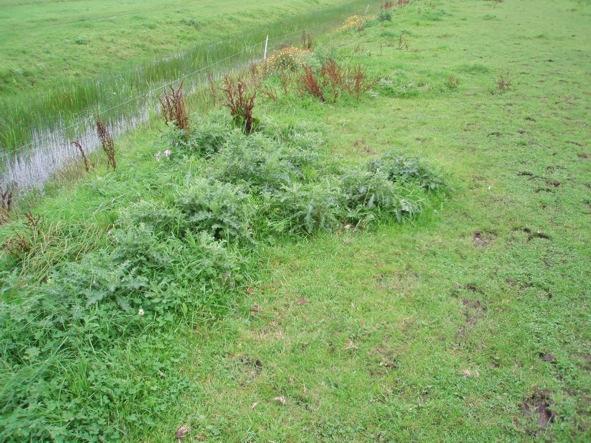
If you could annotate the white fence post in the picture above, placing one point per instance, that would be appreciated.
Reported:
(266, 46)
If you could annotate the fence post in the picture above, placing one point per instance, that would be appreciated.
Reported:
(266, 46)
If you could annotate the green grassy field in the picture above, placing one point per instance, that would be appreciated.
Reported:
(60, 61)
(468, 322)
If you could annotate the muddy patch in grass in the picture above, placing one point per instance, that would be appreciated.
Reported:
(524, 285)
(246, 368)
(548, 357)
(362, 147)
(586, 362)
(482, 239)
(530, 234)
(400, 282)
(382, 361)
(473, 310)
(537, 406)
(459, 289)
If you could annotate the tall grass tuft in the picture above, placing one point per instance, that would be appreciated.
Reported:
(240, 102)
(107, 143)
(174, 108)
(307, 41)
(503, 83)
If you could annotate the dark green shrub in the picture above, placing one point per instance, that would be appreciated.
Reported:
(211, 134)
(370, 195)
(255, 161)
(384, 15)
(399, 168)
(142, 251)
(206, 138)
(307, 208)
(162, 219)
(221, 209)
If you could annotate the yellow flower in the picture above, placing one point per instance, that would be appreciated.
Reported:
(290, 58)
(356, 22)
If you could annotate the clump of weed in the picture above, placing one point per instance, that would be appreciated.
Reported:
(241, 103)
(191, 22)
(452, 82)
(212, 134)
(307, 208)
(355, 22)
(503, 83)
(333, 77)
(307, 41)
(359, 83)
(384, 15)
(17, 246)
(287, 59)
(221, 209)
(81, 40)
(213, 89)
(107, 143)
(402, 41)
(206, 139)
(401, 169)
(23, 240)
(162, 219)
(332, 80)
(270, 93)
(372, 195)
(311, 84)
(401, 85)
(266, 162)
(174, 109)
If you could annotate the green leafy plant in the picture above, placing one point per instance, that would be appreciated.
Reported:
(400, 169)
(370, 195)
(307, 208)
(222, 209)
(162, 219)
(384, 15)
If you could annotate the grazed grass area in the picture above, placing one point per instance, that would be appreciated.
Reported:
(469, 323)
(447, 328)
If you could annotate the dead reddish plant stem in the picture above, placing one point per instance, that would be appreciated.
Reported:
(174, 108)
(107, 143)
(240, 102)
(78, 145)
(311, 85)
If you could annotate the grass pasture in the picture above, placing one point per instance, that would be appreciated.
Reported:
(297, 284)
